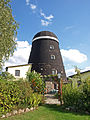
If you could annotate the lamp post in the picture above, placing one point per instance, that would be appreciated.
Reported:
(59, 76)
(60, 88)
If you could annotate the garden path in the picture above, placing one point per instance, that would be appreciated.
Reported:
(50, 99)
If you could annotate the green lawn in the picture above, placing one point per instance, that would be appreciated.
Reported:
(50, 112)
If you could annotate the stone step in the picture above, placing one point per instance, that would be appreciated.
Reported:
(50, 99)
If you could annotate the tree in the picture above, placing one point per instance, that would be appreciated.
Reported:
(8, 31)
(77, 70)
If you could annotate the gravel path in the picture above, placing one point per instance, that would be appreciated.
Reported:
(50, 99)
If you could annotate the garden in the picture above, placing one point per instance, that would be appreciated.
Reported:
(20, 94)
(28, 96)
(23, 99)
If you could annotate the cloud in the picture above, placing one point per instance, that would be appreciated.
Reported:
(46, 17)
(70, 72)
(21, 55)
(33, 7)
(45, 23)
(27, 2)
(16, 39)
(68, 27)
(47, 20)
(74, 55)
(86, 69)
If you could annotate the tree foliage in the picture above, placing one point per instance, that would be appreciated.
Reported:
(8, 31)
(6, 76)
(36, 81)
(17, 94)
(77, 98)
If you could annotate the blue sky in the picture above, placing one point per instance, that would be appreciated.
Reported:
(68, 19)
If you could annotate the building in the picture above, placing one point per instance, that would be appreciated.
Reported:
(83, 74)
(18, 71)
(46, 57)
(45, 54)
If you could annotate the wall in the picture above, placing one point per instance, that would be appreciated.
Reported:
(85, 75)
(40, 57)
(23, 70)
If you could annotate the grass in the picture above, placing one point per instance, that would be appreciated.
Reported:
(50, 112)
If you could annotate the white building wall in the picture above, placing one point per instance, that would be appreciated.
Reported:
(23, 70)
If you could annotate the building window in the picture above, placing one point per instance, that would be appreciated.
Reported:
(54, 72)
(41, 68)
(17, 72)
(53, 57)
(55, 86)
(51, 47)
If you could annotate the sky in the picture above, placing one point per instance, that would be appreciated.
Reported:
(69, 20)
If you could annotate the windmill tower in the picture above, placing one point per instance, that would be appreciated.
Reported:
(45, 54)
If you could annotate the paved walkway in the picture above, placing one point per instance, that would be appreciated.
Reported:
(50, 99)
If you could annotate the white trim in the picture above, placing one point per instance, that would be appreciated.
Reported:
(54, 71)
(19, 65)
(52, 57)
(52, 47)
(47, 37)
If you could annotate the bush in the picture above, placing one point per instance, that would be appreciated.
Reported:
(17, 94)
(36, 81)
(77, 98)
(28, 97)
(6, 76)
(9, 96)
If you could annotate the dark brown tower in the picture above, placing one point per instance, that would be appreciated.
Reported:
(45, 54)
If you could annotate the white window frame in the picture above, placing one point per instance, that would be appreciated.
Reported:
(54, 71)
(52, 57)
(17, 74)
(52, 47)
(41, 68)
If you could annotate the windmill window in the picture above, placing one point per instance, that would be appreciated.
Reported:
(41, 68)
(54, 72)
(17, 72)
(51, 47)
(53, 57)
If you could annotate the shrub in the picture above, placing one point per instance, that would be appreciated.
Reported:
(36, 81)
(86, 94)
(35, 100)
(9, 96)
(28, 97)
(6, 76)
(77, 98)
(17, 94)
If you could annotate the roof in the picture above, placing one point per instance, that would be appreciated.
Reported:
(80, 73)
(45, 35)
(19, 65)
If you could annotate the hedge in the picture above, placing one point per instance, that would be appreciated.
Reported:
(77, 98)
(17, 94)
